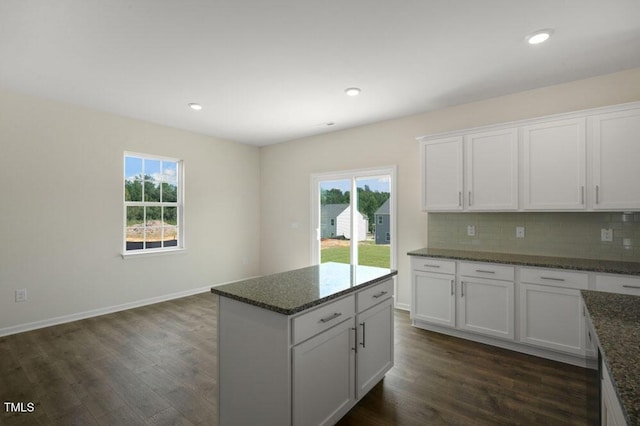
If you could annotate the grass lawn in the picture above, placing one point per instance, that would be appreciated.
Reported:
(369, 254)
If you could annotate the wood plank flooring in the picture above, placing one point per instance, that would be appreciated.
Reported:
(156, 365)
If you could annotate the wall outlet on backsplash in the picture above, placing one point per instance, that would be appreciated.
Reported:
(606, 235)
(471, 230)
(519, 231)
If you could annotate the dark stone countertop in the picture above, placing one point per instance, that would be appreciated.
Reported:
(593, 265)
(616, 322)
(294, 291)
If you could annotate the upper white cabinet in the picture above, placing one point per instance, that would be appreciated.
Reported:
(491, 171)
(616, 158)
(442, 175)
(553, 165)
(580, 161)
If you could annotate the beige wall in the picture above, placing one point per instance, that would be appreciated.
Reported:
(286, 167)
(61, 211)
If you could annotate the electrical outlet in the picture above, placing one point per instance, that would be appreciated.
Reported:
(21, 295)
(606, 235)
(519, 231)
(471, 230)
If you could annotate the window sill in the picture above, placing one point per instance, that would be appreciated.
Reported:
(152, 253)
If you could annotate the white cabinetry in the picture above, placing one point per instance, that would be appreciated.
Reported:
(442, 175)
(324, 376)
(491, 171)
(553, 165)
(433, 291)
(621, 284)
(610, 409)
(616, 153)
(486, 305)
(551, 311)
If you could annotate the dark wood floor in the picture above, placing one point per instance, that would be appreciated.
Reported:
(156, 365)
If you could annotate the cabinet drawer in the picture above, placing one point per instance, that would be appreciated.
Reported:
(487, 270)
(618, 284)
(429, 264)
(555, 278)
(311, 323)
(373, 295)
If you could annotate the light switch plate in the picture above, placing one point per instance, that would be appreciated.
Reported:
(606, 235)
(471, 230)
(519, 231)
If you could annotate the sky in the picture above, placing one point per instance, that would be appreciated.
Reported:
(165, 171)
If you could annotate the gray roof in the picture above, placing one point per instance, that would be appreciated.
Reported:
(384, 208)
(332, 210)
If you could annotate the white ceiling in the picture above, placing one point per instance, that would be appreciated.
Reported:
(270, 71)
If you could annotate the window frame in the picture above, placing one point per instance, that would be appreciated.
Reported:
(178, 204)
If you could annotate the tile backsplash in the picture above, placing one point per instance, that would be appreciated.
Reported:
(548, 234)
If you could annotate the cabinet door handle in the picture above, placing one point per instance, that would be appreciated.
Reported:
(461, 288)
(355, 339)
(363, 334)
(552, 279)
(589, 334)
(459, 198)
(331, 317)
(582, 195)
(469, 197)
(630, 286)
(485, 271)
(382, 293)
(452, 289)
(597, 194)
(431, 266)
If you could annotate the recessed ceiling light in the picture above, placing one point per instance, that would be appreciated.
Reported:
(539, 36)
(352, 91)
(194, 106)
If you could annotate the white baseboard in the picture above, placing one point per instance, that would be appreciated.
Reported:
(403, 307)
(20, 328)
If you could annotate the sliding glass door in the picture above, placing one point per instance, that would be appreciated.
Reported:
(353, 217)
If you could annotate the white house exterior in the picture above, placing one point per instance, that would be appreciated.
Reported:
(343, 227)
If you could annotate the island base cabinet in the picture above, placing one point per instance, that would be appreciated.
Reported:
(375, 346)
(552, 318)
(324, 376)
(610, 410)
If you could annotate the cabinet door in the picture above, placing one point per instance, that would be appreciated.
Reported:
(610, 409)
(616, 150)
(434, 298)
(324, 376)
(375, 345)
(551, 317)
(554, 159)
(486, 307)
(491, 171)
(442, 174)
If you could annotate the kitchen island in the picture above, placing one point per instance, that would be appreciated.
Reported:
(615, 321)
(302, 347)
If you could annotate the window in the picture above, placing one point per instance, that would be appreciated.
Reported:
(333, 222)
(379, 220)
(152, 203)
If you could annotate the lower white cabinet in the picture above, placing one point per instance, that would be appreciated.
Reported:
(324, 376)
(486, 306)
(434, 298)
(552, 317)
(610, 409)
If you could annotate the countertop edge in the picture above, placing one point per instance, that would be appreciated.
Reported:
(306, 306)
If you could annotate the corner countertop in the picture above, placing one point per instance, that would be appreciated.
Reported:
(593, 265)
(294, 291)
(616, 322)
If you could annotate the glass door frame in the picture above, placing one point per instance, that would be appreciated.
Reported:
(352, 175)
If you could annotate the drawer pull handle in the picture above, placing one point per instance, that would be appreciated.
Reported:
(552, 279)
(630, 286)
(382, 293)
(485, 271)
(431, 266)
(331, 317)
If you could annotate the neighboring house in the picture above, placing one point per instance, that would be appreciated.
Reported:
(335, 220)
(382, 224)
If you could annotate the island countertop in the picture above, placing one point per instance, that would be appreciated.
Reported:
(616, 322)
(294, 291)
(578, 264)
